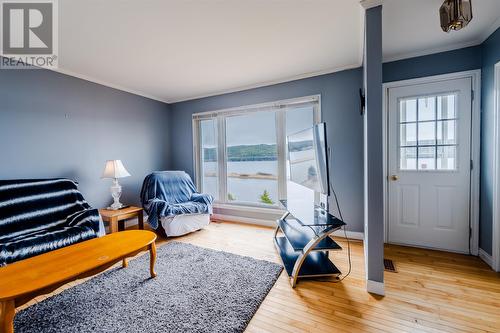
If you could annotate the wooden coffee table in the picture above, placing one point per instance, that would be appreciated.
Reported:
(26, 279)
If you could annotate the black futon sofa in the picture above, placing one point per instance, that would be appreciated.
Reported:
(37, 216)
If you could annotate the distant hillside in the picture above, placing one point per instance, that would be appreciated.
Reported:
(300, 145)
(262, 152)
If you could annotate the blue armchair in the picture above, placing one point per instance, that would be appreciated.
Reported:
(170, 194)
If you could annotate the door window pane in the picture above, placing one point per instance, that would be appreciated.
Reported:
(408, 110)
(208, 135)
(447, 158)
(426, 158)
(446, 131)
(426, 108)
(252, 165)
(408, 134)
(408, 158)
(446, 107)
(426, 133)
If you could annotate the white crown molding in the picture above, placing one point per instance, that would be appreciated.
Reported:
(367, 4)
(420, 53)
(487, 33)
(269, 83)
(97, 81)
(216, 93)
(107, 84)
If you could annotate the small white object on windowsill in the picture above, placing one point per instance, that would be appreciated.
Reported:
(114, 169)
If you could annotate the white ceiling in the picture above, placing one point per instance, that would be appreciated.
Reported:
(174, 50)
(411, 27)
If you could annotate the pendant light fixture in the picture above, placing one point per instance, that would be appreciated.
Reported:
(455, 14)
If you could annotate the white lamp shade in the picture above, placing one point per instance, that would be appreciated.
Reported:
(114, 169)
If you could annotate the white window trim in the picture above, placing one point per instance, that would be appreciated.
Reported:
(475, 76)
(221, 151)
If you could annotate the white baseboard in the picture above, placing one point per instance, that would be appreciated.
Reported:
(269, 223)
(487, 258)
(375, 287)
(350, 234)
(248, 220)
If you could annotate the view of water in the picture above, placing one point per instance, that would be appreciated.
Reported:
(262, 177)
(241, 189)
(250, 144)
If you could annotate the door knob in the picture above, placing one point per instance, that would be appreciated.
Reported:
(394, 177)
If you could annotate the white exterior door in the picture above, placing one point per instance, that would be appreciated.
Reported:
(429, 163)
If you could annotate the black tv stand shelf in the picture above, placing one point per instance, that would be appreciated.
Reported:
(304, 248)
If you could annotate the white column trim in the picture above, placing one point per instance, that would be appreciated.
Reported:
(484, 256)
(375, 287)
(367, 4)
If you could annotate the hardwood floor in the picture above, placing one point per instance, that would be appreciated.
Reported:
(431, 292)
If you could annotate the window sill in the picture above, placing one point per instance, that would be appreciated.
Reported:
(245, 208)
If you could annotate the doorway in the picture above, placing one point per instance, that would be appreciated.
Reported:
(429, 163)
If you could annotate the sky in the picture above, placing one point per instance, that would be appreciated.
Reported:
(256, 127)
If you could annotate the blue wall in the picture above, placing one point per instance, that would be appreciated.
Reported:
(490, 56)
(339, 108)
(434, 64)
(53, 125)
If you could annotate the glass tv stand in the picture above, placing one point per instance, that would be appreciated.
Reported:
(304, 247)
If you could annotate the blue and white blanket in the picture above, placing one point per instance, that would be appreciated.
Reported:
(42, 215)
(170, 193)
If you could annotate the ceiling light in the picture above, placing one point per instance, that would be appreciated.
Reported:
(455, 14)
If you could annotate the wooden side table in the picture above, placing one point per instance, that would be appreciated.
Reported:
(116, 218)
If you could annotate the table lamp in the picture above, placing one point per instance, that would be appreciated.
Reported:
(114, 169)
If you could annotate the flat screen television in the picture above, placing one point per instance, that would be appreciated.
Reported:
(308, 158)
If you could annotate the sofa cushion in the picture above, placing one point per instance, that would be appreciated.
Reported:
(37, 216)
(44, 240)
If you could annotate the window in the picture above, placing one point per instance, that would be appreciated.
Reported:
(252, 158)
(240, 154)
(427, 133)
(208, 167)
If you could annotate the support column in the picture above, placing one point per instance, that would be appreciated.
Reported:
(373, 148)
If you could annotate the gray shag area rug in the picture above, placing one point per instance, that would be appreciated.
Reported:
(196, 290)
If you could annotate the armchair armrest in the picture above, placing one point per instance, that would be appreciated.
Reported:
(203, 198)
